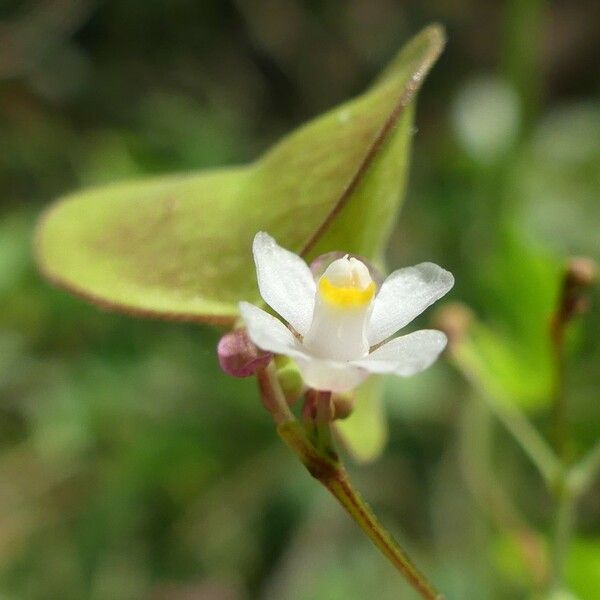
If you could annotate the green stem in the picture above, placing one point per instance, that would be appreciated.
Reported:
(272, 395)
(559, 404)
(331, 473)
(530, 440)
(567, 489)
(360, 511)
(525, 434)
(323, 420)
(522, 53)
(323, 463)
(583, 474)
(564, 523)
(565, 483)
(475, 452)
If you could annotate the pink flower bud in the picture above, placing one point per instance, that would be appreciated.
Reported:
(238, 356)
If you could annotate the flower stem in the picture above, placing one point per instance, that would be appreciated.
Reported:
(476, 434)
(580, 274)
(330, 472)
(362, 514)
(519, 426)
(583, 474)
(564, 522)
(323, 463)
(559, 403)
(272, 395)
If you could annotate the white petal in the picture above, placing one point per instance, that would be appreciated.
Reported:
(285, 282)
(404, 295)
(407, 354)
(270, 334)
(334, 376)
(267, 332)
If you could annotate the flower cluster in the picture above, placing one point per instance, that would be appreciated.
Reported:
(339, 324)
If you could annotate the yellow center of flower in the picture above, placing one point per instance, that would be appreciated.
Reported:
(346, 296)
(343, 302)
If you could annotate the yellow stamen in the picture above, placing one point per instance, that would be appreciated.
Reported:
(346, 296)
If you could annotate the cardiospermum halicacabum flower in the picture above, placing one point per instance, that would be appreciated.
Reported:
(340, 324)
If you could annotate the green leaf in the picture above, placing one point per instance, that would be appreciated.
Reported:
(506, 371)
(583, 567)
(365, 432)
(178, 246)
(513, 356)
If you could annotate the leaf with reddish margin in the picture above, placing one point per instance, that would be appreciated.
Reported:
(179, 247)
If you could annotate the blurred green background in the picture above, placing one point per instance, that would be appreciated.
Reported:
(130, 466)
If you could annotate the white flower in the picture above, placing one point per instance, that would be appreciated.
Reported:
(340, 322)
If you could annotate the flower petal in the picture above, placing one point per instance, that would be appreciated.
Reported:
(405, 355)
(329, 375)
(285, 282)
(404, 295)
(267, 332)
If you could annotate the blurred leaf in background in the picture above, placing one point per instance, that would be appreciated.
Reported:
(178, 247)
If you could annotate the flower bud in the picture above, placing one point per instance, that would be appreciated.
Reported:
(343, 405)
(289, 378)
(238, 356)
(581, 271)
(454, 320)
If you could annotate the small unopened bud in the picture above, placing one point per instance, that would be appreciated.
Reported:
(454, 320)
(343, 405)
(289, 378)
(581, 271)
(238, 356)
